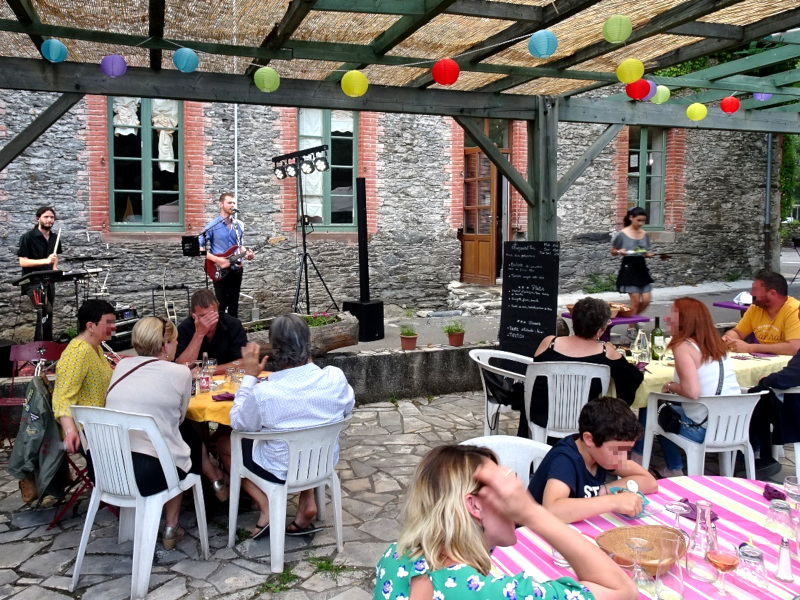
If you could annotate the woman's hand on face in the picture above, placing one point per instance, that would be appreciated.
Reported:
(503, 490)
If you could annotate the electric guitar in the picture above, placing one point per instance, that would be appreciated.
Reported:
(235, 254)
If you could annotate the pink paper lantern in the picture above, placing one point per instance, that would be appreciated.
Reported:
(113, 65)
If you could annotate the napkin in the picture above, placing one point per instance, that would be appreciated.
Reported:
(743, 298)
(773, 493)
(223, 397)
(762, 354)
(692, 514)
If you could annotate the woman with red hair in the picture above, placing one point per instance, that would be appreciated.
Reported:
(702, 368)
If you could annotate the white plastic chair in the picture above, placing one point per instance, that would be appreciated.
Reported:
(105, 433)
(777, 451)
(493, 408)
(311, 465)
(727, 431)
(568, 385)
(519, 454)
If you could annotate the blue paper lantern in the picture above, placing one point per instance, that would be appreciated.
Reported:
(54, 51)
(543, 44)
(113, 65)
(185, 60)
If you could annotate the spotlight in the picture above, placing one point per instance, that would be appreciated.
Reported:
(307, 166)
(321, 163)
(291, 169)
(280, 172)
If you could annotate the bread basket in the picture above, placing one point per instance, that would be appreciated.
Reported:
(613, 542)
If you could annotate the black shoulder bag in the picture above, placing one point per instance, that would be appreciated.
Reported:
(670, 420)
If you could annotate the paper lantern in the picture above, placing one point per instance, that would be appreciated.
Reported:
(617, 29)
(629, 70)
(54, 51)
(267, 79)
(638, 89)
(185, 60)
(113, 65)
(729, 105)
(543, 44)
(445, 71)
(652, 92)
(662, 95)
(761, 97)
(696, 111)
(354, 84)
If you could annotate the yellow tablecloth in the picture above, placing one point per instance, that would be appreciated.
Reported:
(748, 371)
(203, 408)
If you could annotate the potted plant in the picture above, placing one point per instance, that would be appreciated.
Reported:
(408, 337)
(455, 333)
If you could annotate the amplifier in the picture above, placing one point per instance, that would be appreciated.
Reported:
(124, 312)
(121, 340)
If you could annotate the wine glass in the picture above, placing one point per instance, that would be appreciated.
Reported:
(643, 580)
(677, 508)
(723, 556)
(792, 488)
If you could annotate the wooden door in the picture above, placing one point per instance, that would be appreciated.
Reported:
(479, 237)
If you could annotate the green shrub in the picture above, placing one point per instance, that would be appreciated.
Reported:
(453, 327)
(407, 329)
(789, 231)
(599, 282)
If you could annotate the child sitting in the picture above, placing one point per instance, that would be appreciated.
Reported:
(571, 480)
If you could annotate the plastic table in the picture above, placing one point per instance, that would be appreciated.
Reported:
(606, 337)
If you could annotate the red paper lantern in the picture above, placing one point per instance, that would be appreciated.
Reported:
(638, 89)
(445, 71)
(729, 105)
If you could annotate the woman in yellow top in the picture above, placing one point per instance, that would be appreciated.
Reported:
(82, 372)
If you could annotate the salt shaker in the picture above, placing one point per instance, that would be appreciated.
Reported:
(784, 570)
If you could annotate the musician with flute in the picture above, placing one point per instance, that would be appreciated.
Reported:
(226, 233)
(38, 251)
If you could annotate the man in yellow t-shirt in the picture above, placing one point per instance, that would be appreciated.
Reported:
(772, 318)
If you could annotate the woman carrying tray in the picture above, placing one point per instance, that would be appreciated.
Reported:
(633, 244)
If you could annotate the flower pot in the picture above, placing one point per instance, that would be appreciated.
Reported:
(408, 342)
(456, 339)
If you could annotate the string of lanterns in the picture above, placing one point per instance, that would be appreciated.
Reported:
(542, 44)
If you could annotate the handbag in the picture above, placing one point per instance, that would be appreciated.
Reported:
(670, 420)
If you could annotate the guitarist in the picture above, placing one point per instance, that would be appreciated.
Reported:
(224, 232)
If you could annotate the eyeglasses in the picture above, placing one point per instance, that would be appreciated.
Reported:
(164, 320)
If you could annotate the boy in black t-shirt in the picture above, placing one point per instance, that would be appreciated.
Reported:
(571, 480)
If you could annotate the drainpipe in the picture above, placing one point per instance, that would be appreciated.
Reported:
(236, 151)
(768, 196)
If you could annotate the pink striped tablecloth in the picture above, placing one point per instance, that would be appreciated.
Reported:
(739, 503)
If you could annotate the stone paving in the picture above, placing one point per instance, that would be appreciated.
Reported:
(379, 452)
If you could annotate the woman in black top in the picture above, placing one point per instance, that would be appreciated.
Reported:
(590, 318)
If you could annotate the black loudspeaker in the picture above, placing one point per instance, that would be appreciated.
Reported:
(190, 245)
(370, 318)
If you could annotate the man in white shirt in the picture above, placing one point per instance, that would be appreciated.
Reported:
(298, 394)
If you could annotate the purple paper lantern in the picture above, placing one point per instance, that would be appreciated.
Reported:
(761, 97)
(652, 92)
(113, 65)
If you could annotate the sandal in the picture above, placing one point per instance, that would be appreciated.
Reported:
(221, 490)
(260, 531)
(172, 535)
(27, 488)
(298, 531)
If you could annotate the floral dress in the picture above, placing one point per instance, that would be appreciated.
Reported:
(393, 575)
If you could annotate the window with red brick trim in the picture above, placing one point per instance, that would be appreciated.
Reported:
(645, 171)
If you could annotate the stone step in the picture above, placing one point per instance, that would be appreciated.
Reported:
(474, 299)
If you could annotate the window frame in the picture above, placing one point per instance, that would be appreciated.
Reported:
(642, 176)
(326, 225)
(147, 155)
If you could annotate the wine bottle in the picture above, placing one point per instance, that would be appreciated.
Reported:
(657, 341)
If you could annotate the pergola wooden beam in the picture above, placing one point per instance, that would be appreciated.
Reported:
(38, 126)
(709, 30)
(26, 14)
(156, 11)
(678, 15)
(497, 10)
(469, 8)
(542, 169)
(295, 13)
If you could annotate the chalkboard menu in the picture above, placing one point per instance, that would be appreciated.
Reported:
(530, 295)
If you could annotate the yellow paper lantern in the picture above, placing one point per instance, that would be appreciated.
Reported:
(662, 95)
(354, 84)
(630, 70)
(697, 111)
(617, 29)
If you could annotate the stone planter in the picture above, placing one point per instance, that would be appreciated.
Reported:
(323, 338)
(408, 342)
(455, 339)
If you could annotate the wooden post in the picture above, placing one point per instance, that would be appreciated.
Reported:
(542, 170)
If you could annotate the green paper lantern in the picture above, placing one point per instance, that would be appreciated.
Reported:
(630, 70)
(267, 79)
(662, 95)
(696, 111)
(354, 84)
(617, 29)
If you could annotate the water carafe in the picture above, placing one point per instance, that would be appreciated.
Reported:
(697, 566)
(640, 349)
